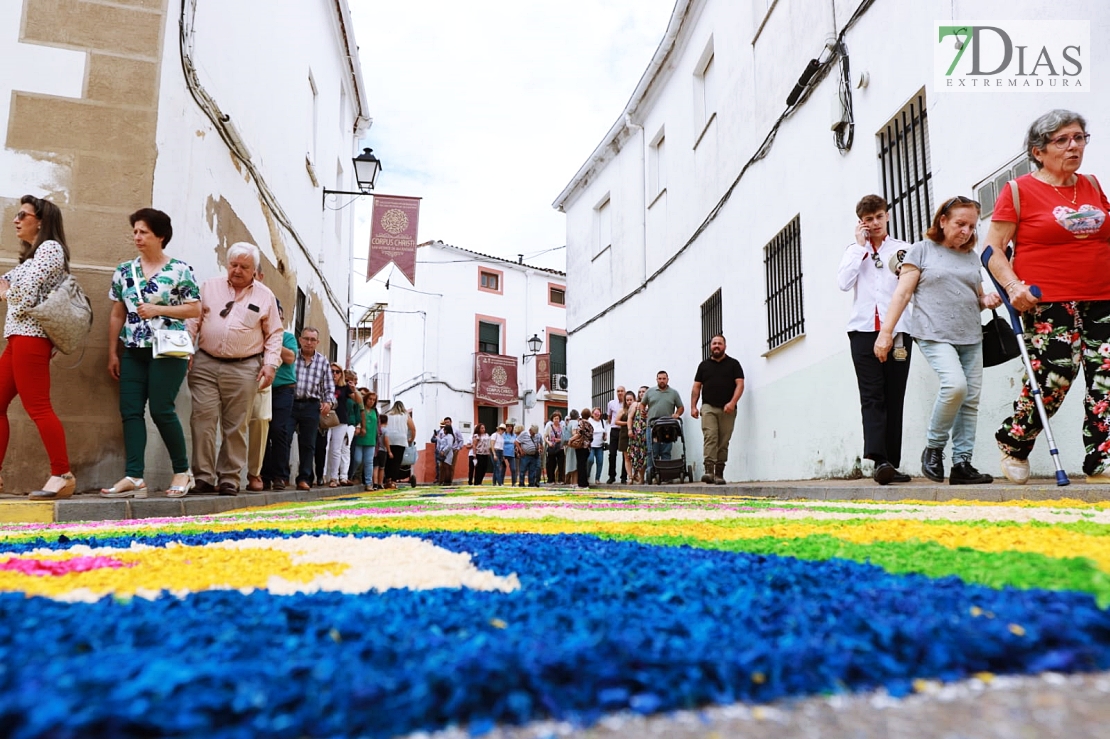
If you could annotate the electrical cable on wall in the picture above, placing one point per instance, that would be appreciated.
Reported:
(844, 133)
(226, 130)
(813, 78)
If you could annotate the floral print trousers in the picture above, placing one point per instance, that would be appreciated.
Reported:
(1061, 338)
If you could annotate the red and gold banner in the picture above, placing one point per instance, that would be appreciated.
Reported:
(543, 371)
(495, 379)
(393, 235)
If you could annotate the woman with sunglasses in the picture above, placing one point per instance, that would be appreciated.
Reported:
(25, 363)
(341, 436)
(149, 292)
(1056, 218)
(941, 274)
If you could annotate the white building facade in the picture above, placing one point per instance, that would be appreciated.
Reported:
(229, 119)
(713, 204)
(424, 341)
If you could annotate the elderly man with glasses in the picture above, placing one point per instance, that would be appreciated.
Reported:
(313, 395)
(238, 340)
(869, 268)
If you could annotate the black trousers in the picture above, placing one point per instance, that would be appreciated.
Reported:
(582, 456)
(882, 392)
(275, 464)
(556, 462)
(481, 467)
(393, 465)
(306, 418)
(614, 440)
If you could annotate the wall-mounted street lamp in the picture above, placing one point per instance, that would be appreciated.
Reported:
(367, 167)
(534, 345)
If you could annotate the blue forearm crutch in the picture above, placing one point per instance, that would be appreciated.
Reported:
(1034, 386)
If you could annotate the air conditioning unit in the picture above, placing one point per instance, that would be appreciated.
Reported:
(560, 383)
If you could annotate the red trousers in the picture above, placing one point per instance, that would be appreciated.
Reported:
(25, 371)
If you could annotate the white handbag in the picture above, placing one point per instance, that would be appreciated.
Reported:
(165, 343)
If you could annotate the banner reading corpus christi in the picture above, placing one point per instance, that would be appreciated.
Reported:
(495, 379)
(393, 235)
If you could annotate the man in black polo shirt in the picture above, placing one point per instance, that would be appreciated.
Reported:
(722, 379)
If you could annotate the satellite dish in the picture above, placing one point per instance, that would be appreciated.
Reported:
(529, 399)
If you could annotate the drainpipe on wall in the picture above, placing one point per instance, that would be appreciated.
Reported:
(643, 193)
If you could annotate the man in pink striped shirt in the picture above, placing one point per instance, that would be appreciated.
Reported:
(238, 340)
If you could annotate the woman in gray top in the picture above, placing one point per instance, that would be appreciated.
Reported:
(941, 275)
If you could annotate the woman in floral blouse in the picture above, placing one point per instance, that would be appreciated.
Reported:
(151, 291)
(25, 363)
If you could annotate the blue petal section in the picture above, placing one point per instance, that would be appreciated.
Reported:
(597, 626)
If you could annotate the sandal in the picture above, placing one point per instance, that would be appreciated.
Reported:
(64, 490)
(128, 487)
(333, 484)
(180, 491)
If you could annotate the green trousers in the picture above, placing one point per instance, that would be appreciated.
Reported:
(143, 379)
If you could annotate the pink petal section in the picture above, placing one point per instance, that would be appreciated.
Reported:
(54, 568)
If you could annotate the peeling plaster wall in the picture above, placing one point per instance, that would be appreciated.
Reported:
(257, 67)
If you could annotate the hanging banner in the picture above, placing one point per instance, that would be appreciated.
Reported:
(543, 371)
(495, 379)
(393, 235)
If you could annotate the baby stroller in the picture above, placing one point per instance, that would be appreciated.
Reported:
(668, 431)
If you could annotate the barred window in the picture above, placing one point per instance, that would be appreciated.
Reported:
(906, 170)
(603, 384)
(987, 191)
(711, 322)
(782, 262)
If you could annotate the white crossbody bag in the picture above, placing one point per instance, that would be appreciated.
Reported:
(166, 343)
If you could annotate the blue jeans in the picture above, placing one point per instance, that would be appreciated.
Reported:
(513, 466)
(597, 457)
(530, 467)
(498, 467)
(960, 369)
(364, 455)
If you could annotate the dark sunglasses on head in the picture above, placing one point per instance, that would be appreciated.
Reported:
(227, 309)
(962, 201)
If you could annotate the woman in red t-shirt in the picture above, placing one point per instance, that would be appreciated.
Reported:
(1061, 239)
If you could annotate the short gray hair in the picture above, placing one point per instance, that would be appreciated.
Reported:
(1043, 128)
(242, 248)
(533, 429)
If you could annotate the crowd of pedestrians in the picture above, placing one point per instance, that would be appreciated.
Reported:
(254, 385)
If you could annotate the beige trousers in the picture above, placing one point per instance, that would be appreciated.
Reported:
(223, 395)
(258, 430)
(716, 431)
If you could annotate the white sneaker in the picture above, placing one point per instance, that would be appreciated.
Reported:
(1016, 470)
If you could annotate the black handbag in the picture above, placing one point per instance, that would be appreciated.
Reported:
(1000, 345)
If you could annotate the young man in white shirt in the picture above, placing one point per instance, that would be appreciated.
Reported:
(869, 268)
(613, 410)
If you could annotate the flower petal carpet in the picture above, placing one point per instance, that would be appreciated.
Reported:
(382, 615)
